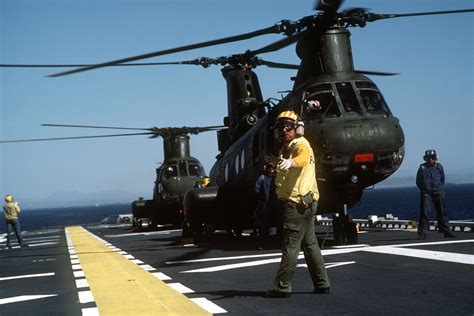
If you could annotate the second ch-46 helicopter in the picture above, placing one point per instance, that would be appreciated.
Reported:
(357, 139)
(178, 172)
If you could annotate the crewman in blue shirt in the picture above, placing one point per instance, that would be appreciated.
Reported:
(430, 180)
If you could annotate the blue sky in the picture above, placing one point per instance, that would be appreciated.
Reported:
(432, 96)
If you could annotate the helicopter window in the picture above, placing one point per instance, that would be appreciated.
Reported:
(194, 169)
(348, 97)
(365, 85)
(242, 159)
(319, 87)
(171, 171)
(374, 102)
(182, 168)
(226, 172)
(237, 165)
(321, 103)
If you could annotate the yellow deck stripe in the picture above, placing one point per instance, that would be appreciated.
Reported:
(120, 287)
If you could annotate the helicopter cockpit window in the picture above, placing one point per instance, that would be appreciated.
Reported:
(182, 168)
(374, 102)
(194, 169)
(171, 171)
(321, 103)
(365, 85)
(348, 97)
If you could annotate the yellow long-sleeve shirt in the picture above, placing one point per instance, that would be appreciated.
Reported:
(300, 179)
(11, 210)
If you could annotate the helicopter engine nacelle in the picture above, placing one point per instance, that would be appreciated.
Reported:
(198, 204)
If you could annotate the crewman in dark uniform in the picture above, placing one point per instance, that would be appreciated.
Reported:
(430, 180)
(298, 195)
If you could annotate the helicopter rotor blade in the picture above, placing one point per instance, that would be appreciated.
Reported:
(85, 65)
(277, 45)
(153, 131)
(284, 26)
(359, 16)
(69, 138)
(376, 73)
(94, 126)
(272, 64)
(391, 16)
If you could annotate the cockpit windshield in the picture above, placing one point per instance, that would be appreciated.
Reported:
(195, 169)
(373, 101)
(321, 103)
(348, 97)
(171, 171)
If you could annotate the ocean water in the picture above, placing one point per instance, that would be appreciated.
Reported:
(404, 203)
(401, 202)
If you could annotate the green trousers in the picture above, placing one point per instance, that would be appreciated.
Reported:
(298, 233)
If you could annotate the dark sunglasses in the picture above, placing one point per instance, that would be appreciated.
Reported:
(286, 126)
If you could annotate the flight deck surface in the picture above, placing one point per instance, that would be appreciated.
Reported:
(112, 270)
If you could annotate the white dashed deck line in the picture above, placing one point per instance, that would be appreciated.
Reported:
(79, 274)
(147, 267)
(208, 305)
(180, 288)
(85, 297)
(161, 276)
(81, 283)
(92, 311)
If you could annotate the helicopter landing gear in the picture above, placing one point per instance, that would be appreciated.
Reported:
(345, 230)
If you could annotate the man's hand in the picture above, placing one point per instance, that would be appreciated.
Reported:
(285, 164)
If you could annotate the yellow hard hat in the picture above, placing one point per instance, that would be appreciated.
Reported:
(9, 198)
(205, 181)
(288, 115)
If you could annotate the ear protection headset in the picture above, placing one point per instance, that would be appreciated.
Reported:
(300, 127)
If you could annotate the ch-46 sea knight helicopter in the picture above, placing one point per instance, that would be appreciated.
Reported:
(357, 139)
(178, 172)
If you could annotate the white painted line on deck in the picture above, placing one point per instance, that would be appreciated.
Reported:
(23, 298)
(92, 311)
(180, 288)
(208, 305)
(161, 276)
(85, 297)
(327, 265)
(351, 246)
(147, 267)
(163, 232)
(424, 254)
(225, 258)
(80, 283)
(338, 264)
(432, 243)
(76, 267)
(234, 266)
(130, 257)
(44, 244)
(79, 274)
(25, 276)
(137, 261)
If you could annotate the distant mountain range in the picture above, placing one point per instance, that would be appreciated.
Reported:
(76, 198)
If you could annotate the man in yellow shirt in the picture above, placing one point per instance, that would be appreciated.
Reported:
(11, 210)
(298, 195)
